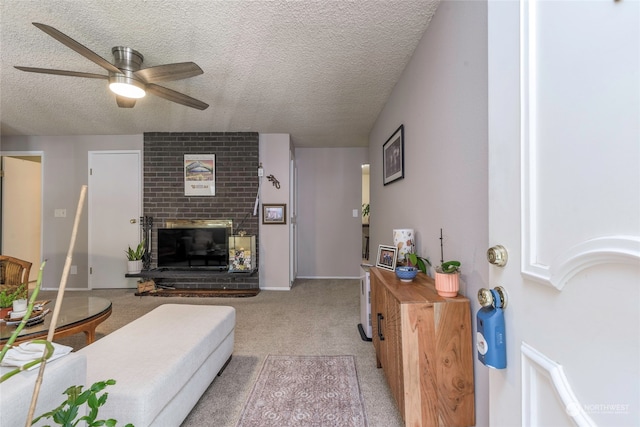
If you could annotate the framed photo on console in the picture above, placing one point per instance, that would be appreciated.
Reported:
(387, 256)
(274, 214)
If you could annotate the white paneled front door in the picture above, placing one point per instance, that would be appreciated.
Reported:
(115, 207)
(564, 144)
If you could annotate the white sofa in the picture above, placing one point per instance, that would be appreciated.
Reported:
(162, 363)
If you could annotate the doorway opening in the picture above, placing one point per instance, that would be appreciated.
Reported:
(21, 208)
(366, 213)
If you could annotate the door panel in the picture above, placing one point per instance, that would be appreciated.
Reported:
(564, 103)
(115, 195)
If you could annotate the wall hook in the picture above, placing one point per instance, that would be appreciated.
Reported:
(274, 181)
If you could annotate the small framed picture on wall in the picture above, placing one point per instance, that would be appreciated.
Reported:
(274, 213)
(393, 157)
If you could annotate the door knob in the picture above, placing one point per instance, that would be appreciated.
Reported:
(497, 255)
(488, 297)
(132, 220)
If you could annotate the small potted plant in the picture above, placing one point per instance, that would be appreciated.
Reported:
(448, 278)
(7, 297)
(134, 258)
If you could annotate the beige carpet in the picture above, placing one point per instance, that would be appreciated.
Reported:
(305, 391)
(317, 317)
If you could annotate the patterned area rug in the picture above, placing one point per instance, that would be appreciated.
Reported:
(305, 391)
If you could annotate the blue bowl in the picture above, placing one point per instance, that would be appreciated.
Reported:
(406, 274)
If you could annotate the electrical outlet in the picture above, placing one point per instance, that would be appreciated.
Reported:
(74, 269)
(60, 213)
(355, 213)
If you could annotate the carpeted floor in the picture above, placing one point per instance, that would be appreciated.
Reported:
(305, 391)
(315, 318)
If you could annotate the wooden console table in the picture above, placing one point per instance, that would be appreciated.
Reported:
(424, 344)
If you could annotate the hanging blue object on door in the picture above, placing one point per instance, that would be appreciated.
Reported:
(491, 340)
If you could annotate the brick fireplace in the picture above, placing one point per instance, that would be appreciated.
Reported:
(236, 187)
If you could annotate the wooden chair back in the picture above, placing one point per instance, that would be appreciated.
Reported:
(13, 273)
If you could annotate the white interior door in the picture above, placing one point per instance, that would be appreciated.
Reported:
(564, 156)
(115, 207)
(22, 209)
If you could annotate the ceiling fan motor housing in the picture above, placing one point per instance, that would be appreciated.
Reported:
(128, 61)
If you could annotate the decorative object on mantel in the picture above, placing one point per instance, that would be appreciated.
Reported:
(387, 257)
(447, 275)
(274, 181)
(403, 239)
(242, 250)
(199, 175)
(406, 273)
(393, 157)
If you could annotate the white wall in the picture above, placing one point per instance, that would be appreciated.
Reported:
(441, 99)
(65, 171)
(274, 154)
(329, 189)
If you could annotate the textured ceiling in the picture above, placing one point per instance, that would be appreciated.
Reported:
(318, 70)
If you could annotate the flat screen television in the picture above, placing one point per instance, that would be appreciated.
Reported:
(193, 248)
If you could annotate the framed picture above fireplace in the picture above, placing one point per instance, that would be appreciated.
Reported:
(199, 175)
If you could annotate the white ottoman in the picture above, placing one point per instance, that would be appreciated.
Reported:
(162, 362)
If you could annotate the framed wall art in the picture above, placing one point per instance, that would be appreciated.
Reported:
(199, 175)
(274, 214)
(387, 256)
(393, 157)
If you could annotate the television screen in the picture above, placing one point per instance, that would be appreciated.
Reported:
(206, 248)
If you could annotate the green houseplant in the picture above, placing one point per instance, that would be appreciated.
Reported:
(68, 412)
(448, 278)
(7, 297)
(419, 262)
(365, 210)
(134, 258)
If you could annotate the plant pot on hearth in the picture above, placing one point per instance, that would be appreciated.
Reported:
(448, 279)
(134, 267)
(134, 258)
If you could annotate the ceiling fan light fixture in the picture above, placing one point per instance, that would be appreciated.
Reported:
(126, 86)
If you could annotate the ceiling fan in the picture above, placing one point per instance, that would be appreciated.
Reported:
(126, 79)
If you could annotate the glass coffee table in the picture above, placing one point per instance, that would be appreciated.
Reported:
(77, 314)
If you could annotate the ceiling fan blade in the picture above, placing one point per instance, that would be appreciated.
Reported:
(174, 96)
(82, 50)
(62, 72)
(125, 102)
(168, 72)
